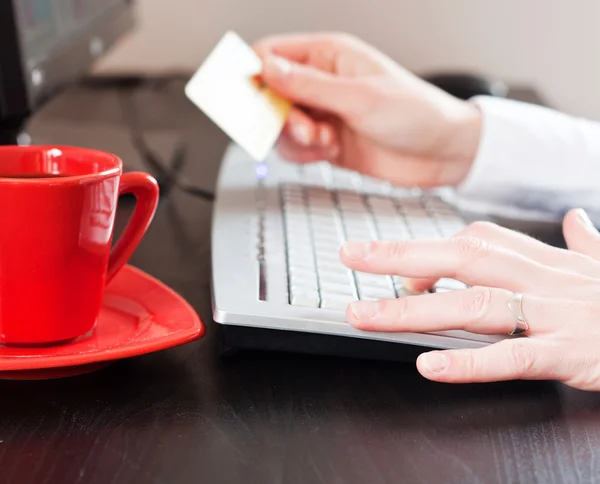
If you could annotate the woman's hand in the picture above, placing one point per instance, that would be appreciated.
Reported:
(359, 109)
(561, 301)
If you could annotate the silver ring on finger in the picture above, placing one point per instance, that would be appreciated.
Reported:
(515, 304)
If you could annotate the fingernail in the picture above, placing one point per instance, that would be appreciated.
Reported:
(355, 250)
(584, 219)
(278, 67)
(434, 362)
(301, 134)
(364, 309)
(409, 285)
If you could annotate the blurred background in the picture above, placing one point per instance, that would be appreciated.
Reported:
(552, 45)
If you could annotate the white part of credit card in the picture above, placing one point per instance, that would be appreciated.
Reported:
(226, 90)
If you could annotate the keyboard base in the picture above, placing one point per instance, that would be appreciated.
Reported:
(236, 338)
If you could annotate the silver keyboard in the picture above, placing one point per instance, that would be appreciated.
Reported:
(277, 232)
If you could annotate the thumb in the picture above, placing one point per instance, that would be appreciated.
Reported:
(511, 359)
(311, 87)
(581, 235)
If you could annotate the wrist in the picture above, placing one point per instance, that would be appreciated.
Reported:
(460, 141)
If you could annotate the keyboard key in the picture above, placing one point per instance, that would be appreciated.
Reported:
(446, 216)
(375, 298)
(352, 198)
(396, 235)
(300, 275)
(297, 226)
(384, 287)
(299, 245)
(386, 217)
(383, 282)
(328, 256)
(329, 287)
(412, 211)
(301, 252)
(303, 283)
(352, 205)
(313, 174)
(326, 260)
(342, 179)
(451, 229)
(357, 225)
(376, 294)
(305, 298)
(297, 221)
(425, 233)
(322, 216)
(295, 211)
(374, 280)
(328, 244)
(314, 192)
(308, 264)
(372, 185)
(446, 285)
(293, 193)
(304, 288)
(359, 238)
(336, 277)
(380, 200)
(336, 301)
(301, 271)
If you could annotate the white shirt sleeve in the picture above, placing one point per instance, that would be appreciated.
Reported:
(534, 160)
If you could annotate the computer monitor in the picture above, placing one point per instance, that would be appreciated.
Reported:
(45, 45)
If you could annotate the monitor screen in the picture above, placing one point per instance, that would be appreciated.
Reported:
(46, 45)
(47, 25)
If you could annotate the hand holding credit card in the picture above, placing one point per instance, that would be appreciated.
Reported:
(226, 90)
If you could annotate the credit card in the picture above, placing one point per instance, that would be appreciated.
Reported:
(225, 88)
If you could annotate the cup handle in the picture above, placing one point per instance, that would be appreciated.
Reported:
(145, 190)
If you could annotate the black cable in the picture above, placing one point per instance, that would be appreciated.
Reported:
(167, 176)
(132, 81)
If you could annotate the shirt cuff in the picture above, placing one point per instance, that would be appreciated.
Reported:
(529, 154)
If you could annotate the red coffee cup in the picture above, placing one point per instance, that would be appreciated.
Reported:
(57, 211)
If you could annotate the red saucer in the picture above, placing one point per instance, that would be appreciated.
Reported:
(139, 315)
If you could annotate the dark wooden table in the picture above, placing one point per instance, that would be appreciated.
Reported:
(187, 415)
